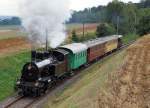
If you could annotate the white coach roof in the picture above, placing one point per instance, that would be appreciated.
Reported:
(75, 47)
(101, 40)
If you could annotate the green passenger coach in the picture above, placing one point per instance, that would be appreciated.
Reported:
(77, 54)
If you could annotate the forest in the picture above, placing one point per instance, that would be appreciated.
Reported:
(120, 17)
(11, 20)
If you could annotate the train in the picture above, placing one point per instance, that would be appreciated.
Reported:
(46, 67)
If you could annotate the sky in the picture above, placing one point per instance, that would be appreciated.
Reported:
(10, 7)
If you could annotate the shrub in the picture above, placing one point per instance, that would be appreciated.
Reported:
(74, 36)
(144, 25)
(105, 29)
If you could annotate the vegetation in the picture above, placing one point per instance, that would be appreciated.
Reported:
(10, 21)
(105, 29)
(129, 37)
(144, 22)
(125, 17)
(10, 69)
(10, 31)
(121, 91)
(74, 36)
(81, 38)
(82, 92)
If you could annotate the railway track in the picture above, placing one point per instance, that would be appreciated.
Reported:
(20, 102)
(26, 102)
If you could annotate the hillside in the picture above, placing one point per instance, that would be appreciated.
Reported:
(130, 86)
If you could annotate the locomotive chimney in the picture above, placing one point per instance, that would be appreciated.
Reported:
(33, 55)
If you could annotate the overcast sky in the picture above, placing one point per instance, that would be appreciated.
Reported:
(10, 7)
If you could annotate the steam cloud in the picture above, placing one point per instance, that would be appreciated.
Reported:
(41, 17)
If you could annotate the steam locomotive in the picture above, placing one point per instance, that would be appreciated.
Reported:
(46, 67)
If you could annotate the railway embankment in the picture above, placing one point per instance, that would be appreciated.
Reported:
(83, 91)
(130, 86)
(119, 81)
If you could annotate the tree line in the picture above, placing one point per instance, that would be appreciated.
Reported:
(117, 17)
(11, 21)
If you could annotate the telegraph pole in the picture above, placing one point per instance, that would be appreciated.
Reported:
(118, 19)
(46, 46)
(83, 29)
(135, 22)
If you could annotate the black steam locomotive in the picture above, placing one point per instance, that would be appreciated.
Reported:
(39, 74)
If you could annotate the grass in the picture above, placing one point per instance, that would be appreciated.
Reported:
(70, 27)
(10, 32)
(83, 93)
(130, 37)
(10, 27)
(78, 27)
(10, 68)
(88, 36)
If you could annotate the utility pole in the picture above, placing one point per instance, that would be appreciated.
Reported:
(118, 19)
(46, 46)
(135, 22)
(83, 29)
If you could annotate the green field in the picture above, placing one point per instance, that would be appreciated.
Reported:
(83, 93)
(10, 68)
(10, 32)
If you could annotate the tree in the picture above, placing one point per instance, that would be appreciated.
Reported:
(144, 25)
(74, 36)
(105, 29)
(123, 16)
(144, 4)
(11, 21)
(114, 9)
(130, 19)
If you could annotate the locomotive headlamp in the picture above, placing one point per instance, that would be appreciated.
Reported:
(49, 80)
(40, 79)
(18, 82)
(29, 67)
(37, 84)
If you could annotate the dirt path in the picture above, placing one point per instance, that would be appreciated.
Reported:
(14, 45)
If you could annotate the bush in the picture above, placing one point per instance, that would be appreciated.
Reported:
(144, 25)
(74, 36)
(87, 37)
(129, 37)
(105, 29)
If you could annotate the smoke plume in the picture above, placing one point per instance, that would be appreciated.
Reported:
(45, 17)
